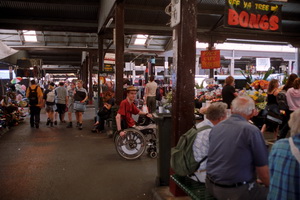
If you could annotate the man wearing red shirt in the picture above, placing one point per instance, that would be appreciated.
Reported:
(127, 108)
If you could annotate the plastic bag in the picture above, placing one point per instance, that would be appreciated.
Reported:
(145, 109)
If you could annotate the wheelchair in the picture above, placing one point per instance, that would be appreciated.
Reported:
(137, 140)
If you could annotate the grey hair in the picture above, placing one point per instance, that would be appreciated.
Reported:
(216, 111)
(243, 105)
(294, 122)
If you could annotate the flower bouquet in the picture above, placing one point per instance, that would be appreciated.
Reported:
(259, 98)
(260, 84)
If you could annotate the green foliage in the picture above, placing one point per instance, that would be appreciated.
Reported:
(268, 73)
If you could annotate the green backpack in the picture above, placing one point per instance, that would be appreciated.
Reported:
(182, 156)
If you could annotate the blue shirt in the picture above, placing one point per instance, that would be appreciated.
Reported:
(284, 171)
(236, 147)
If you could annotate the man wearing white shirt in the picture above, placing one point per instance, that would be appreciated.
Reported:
(215, 113)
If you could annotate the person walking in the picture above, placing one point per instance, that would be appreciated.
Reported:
(80, 97)
(150, 95)
(49, 101)
(61, 101)
(35, 95)
(70, 106)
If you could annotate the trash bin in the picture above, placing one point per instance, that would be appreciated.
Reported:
(164, 127)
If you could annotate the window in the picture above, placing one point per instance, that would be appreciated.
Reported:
(140, 39)
(30, 36)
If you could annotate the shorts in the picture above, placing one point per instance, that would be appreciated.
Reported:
(61, 108)
(50, 108)
(71, 108)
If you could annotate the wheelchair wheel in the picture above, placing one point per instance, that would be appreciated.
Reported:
(153, 154)
(132, 145)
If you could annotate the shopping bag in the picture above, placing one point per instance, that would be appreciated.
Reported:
(79, 107)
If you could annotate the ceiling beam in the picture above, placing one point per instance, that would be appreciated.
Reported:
(89, 24)
(106, 11)
(59, 2)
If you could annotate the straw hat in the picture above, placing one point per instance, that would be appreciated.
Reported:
(131, 88)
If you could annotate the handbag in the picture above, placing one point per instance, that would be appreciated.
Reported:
(79, 107)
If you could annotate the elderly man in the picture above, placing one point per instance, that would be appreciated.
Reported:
(284, 160)
(237, 156)
(215, 113)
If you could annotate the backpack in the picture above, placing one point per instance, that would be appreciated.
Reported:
(158, 95)
(50, 96)
(282, 102)
(182, 156)
(33, 96)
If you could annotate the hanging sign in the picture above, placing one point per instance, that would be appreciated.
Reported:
(108, 68)
(263, 64)
(253, 15)
(210, 59)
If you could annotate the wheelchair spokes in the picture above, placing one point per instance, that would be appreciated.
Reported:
(132, 145)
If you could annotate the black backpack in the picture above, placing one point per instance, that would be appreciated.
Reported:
(33, 96)
(282, 102)
(158, 95)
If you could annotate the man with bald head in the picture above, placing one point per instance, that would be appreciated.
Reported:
(237, 156)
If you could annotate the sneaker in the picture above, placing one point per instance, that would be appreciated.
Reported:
(80, 126)
(55, 122)
(48, 122)
(69, 125)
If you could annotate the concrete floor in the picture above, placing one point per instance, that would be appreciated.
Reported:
(61, 163)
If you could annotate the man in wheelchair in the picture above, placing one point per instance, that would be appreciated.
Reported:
(127, 108)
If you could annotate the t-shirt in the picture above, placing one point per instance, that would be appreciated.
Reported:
(126, 110)
(236, 147)
(80, 94)
(151, 86)
(61, 94)
(228, 94)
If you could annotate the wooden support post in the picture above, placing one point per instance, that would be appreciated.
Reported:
(90, 76)
(101, 62)
(119, 38)
(297, 71)
(183, 72)
(211, 71)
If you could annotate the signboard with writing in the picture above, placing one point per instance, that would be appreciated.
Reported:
(263, 64)
(108, 68)
(210, 59)
(254, 15)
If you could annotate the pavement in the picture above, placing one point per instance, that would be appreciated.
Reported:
(60, 163)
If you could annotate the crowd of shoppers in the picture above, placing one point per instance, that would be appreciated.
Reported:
(60, 99)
